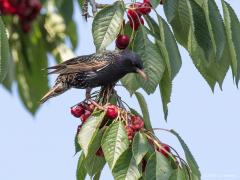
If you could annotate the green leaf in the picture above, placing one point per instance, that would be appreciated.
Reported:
(171, 55)
(89, 131)
(194, 27)
(71, 31)
(77, 146)
(97, 176)
(190, 159)
(131, 83)
(31, 57)
(178, 15)
(179, 174)
(66, 9)
(154, 3)
(133, 111)
(140, 147)
(10, 77)
(4, 52)
(152, 62)
(93, 163)
(80, 2)
(169, 48)
(232, 26)
(107, 24)
(158, 167)
(144, 108)
(165, 87)
(215, 27)
(154, 27)
(81, 172)
(114, 143)
(126, 167)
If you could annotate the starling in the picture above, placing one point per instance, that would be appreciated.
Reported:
(98, 69)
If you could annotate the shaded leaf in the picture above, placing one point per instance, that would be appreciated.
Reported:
(93, 163)
(30, 59)
(158, 167)
(4, 52)
(190, 159)
(154, 3)
(89, 131)
(152, 62)
(144, 108)
(140, 147)
(169, 48)
(71, 30)
(165, 87)
(81, 172)
(215, 27)
(179, 174)
(97, 176)
(114, 143)
(126, 167)
(232, 26)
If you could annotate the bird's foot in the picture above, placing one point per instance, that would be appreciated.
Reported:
(88, 93)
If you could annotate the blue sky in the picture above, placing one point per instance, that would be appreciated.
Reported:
(42, 148)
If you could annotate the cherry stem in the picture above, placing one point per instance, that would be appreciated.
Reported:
(161, 129)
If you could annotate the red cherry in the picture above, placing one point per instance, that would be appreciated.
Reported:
(122, 41)
(135, 24)
(90, 107)
(77, 111)
(112, 112)
(133, 13)
(99, 152)
(87, 113)
(164, 149)
(130, 132)
(147, 1)
(145, 8)
(137, 123)
(7, 8)
(85, 116)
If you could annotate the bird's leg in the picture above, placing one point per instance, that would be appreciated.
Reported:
(88, 93)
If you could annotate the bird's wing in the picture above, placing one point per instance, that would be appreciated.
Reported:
(81, 64)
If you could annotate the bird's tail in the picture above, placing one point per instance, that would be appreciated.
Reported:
(55, 91)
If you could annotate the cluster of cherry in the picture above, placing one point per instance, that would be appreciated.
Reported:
(26, 10)
(134, 14)
(134, 124)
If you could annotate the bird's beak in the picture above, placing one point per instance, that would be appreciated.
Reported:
(142, 73)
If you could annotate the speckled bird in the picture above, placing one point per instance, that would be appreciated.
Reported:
(90, 71)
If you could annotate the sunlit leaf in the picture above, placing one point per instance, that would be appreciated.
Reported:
(107, 24)
(114, 143)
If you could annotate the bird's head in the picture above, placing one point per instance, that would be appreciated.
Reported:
(132, 63)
